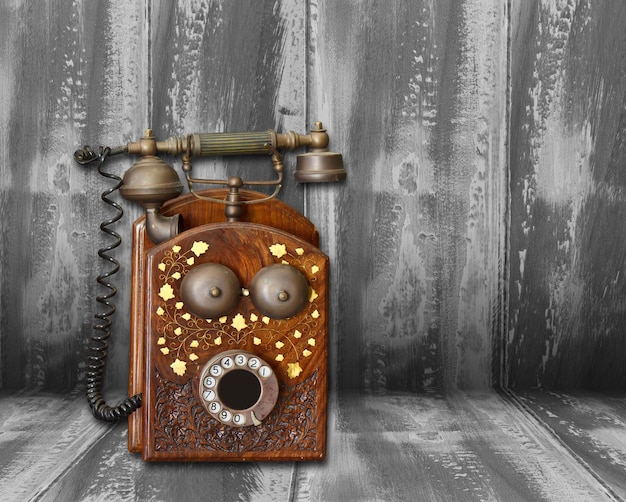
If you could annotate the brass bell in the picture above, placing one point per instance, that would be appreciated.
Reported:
(279, 291)
(210, 290)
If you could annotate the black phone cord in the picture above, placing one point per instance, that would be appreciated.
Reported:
(102, 324)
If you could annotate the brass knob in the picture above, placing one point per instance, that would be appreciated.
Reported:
(210, 290)
(279, 291)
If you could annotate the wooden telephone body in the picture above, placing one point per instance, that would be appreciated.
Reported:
(171, 348)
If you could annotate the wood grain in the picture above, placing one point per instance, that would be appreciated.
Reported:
(591, 425)
(194, 212)
(72, 73)
(414, 96)
(465, 447)
(567, 196)
(175, 425)
(420, 237)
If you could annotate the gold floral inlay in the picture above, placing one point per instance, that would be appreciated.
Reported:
(182, 337)
(239, 322)
(278, 250)
(293, 369)
(166, 292)
(199, 248)
(179, 367)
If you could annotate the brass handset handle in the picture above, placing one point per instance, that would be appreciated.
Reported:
(215, 144)
(235, 143)
(151, 182)
(317, 165)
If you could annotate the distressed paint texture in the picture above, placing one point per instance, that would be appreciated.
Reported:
(414, 94)
(230, 66)
(67, 78)
(567, 259)
(593, 427)
(100, 73)
(396, 447)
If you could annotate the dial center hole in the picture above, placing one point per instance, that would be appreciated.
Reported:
(239, 389)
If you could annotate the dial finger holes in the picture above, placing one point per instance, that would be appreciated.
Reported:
(238, 388)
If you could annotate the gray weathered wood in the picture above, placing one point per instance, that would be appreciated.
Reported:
(414, 94)
(72, 73)
(42, 436)
(463, 447)
(567, 317)
(591, 425)
(420, 237)
(230, 66)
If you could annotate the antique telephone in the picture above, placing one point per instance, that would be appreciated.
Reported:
(229, 304)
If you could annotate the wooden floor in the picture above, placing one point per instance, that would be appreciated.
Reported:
(460, 447)
(591, 426)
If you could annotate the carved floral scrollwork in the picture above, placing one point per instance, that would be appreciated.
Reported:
(181, 336)
(181, 424)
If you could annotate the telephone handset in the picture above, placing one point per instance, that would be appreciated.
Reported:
(229, 304)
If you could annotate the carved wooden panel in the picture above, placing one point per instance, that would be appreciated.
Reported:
(194, 212)
(178, 343)
(291, 431)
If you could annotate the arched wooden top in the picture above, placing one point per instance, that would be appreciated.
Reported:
(273, 213)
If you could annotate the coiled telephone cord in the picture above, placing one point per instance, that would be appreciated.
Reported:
(102, 325)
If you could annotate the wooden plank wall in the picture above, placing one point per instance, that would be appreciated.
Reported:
(567, 148)
(72, 72)
(100, 73)
(477, 239)
(413, 94)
